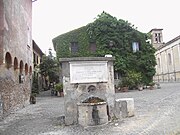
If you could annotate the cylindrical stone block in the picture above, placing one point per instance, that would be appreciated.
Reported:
(92, 114)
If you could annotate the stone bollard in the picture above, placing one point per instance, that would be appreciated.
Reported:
(158, 86)
(124, 107)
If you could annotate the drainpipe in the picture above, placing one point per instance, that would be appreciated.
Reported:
(1, 108)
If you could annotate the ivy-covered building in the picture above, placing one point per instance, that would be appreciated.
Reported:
(109, 35)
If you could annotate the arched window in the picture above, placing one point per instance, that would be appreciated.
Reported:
(159, 64)
(169, 59)
(21, 67)
(15, 63)
(26, 69)
(8, 60)
(30, 70)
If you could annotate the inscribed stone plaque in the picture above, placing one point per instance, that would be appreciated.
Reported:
(89, 71)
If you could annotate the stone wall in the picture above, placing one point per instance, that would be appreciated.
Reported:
(1, 30)
(13, 94)
(15, 53)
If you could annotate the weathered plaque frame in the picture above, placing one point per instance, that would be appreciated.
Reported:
(88, 71)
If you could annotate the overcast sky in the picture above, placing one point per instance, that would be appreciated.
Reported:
(54, 17)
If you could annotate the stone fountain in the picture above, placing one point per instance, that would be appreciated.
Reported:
(88, 84)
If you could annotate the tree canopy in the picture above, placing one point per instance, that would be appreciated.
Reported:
(49, 68)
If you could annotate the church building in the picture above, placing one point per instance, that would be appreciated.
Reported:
(167, 57)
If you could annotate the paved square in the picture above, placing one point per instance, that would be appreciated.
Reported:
(156, 113)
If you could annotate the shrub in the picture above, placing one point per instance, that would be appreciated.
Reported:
(132, 80)
(59, 87)
(152, 83)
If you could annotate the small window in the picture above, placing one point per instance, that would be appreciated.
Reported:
(37, 60)
(74, 47)
(34, 58)
(159, 37)
(117, 75)
(158, 62)
(135, 46)
(92, 47)
(28, 36)
(156, 39)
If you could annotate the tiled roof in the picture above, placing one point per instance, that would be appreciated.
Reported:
(155, 29)
(169, 42)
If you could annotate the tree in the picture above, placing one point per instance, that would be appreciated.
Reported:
(49, 67)
(35, 87)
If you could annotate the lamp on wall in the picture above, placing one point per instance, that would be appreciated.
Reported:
(21, 78)
(111, 43)
(108, 55)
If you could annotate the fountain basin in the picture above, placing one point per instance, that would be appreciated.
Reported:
(92, 114)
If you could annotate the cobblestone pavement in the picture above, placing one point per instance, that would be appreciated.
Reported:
(157, 112)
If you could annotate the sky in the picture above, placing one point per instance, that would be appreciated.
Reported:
(51, 18)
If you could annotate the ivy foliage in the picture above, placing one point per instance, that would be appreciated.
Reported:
(63, 43)
(112, 36)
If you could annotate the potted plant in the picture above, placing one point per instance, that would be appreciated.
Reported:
(32, 99)
(124, 84)
(59, 89)
(140, 87)
(133, 80)
(158, 85)
(151, 85)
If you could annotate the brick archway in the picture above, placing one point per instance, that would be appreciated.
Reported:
(26, 69)
(21, 67)
(15, 63)
(30, 70)
(8, 60)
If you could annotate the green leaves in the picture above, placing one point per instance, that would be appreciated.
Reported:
(49, 68)
(107, 28)
(59, 87)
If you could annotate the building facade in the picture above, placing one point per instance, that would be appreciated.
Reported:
(168, 59)
(16, 63)
(37, 59)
